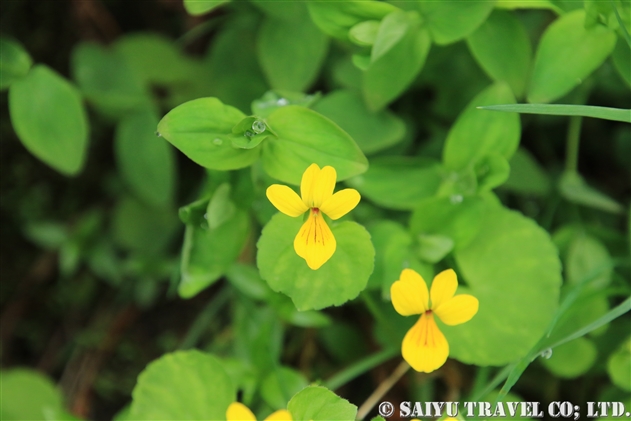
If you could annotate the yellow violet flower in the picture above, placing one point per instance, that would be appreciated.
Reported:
(424, 346)
(314, 242)
(239, 412)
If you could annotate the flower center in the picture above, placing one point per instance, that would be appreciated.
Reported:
(315, 210)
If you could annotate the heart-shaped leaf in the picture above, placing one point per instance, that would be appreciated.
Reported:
(340, 279)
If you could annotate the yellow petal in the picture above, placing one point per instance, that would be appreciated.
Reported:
(315, 242)
(340, 203)
(424, 346)
(409, 294)
(281, 415)
(309, 178)
(317, 185)
(459, 309)
(324, 185)
(443, 287)
(286, 200)
(239, 412)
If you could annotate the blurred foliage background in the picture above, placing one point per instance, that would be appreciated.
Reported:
(91, 263)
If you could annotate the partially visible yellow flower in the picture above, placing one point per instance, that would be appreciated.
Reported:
(424, 346)
(239, 412)
(314, 242)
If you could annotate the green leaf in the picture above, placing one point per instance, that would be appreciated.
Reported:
(286, 11)
(612, 314)
(572, 359)
(28, 395)
(528, 4)
(584, 310)
(306, 137)
(451, 21)
(142, 229)
(316, 403)
(622, 61)
(247, 280)
(586, 254)
(155, 58)
(336, 18)
(392, 242)
(364, 33)
(526, 175)
(145, 161)
(456, 217)
(373, 131)
(272, 100)
(361, 61)
(573, 188)
(280, 385)
(397, 57)
(49, 118)
(231, 70)
(200, 7)
(220, 207)
(399, 182)
(184, 385)
(288, 313)
(393, 253)
(619, 366)
(46, 234)
(207, 253)
(513, 269)
(502, 48)
(477, 133)
(615, 114)
(291, 52)
(434, 247)
(340, 279)
(202, 130)
(108, 80)
(567, 54)
(491, 170)
(15, 62)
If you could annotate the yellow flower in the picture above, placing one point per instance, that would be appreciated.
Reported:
(314, 242)
(239, 412)
(424, 346)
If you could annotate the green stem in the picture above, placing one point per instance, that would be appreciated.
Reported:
(481, 379)
(499, 378)
(573, 141)
(360, 367)
(204, 318)
(377, 313)
(198, 31)
(373, 307)
(623, 28)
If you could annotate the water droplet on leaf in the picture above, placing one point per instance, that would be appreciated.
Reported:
(248, 133)
(258, 127)
(158, 134)
(217, 141)
(546, 353)
(282, 101)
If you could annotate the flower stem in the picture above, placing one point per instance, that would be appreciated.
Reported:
(204, 318)
(573, 141)
(382, 389)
